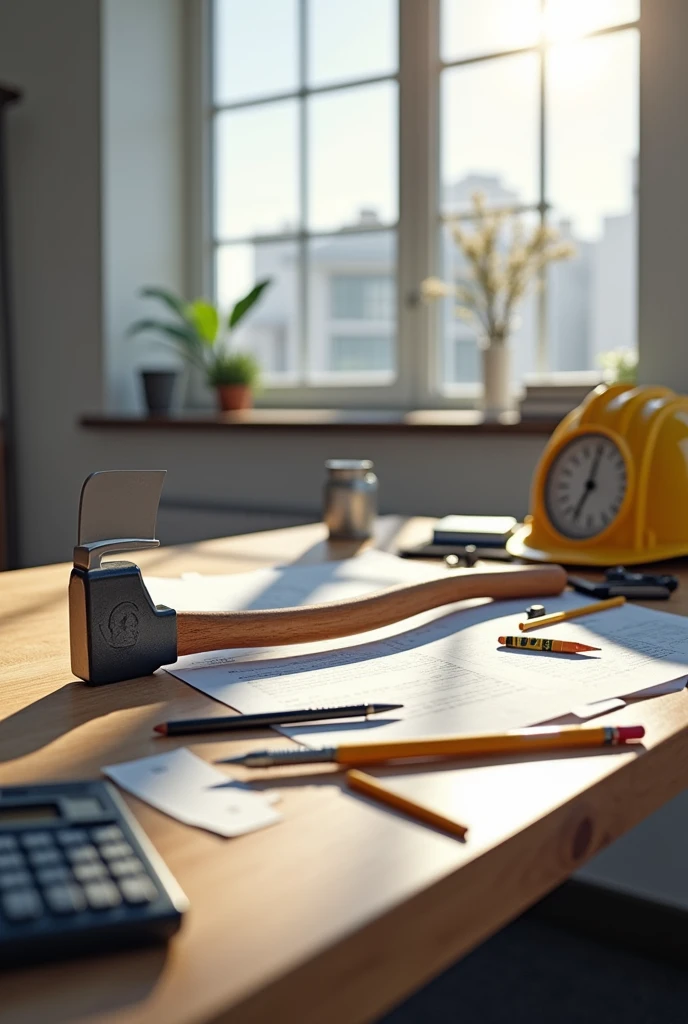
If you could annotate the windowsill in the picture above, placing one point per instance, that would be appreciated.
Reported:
(461, 420)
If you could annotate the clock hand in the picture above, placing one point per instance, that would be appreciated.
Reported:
(595, 466)
(583, 498)
(589, 483)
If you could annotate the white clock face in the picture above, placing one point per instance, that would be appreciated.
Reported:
(585, 486)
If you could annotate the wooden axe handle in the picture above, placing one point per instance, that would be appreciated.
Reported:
(214, 631)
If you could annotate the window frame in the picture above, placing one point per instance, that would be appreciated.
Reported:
(420, 217)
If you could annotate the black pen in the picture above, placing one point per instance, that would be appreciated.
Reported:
(234, 723)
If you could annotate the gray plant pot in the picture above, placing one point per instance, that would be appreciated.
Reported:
(159, 389)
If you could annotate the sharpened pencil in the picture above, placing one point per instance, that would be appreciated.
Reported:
(536, 739)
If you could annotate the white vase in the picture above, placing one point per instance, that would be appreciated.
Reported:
(496, 391)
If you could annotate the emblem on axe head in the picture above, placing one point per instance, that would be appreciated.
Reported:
(117, 633)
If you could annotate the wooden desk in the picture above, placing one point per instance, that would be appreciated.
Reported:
(345, 908)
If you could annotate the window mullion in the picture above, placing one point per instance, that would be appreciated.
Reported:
(418, 194)
(302, 314)
(542, 354)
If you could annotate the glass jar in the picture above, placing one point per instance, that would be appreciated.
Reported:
(350, 499)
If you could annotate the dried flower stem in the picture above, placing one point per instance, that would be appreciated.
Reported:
(498, 276)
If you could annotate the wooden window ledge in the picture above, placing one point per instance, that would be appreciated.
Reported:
(461, 420)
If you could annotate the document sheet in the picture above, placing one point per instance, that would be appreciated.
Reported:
(446, 666)
(189, 789)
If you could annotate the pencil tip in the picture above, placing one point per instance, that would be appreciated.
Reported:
(162, 729)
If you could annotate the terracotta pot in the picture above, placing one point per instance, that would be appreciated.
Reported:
(233, 397)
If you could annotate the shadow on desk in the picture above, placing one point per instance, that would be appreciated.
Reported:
(75, 704)
(100, 990)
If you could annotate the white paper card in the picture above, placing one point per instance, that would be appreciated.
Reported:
(194, 792)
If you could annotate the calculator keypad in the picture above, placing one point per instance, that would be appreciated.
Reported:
(43, 858)
(65, 899)
(69, 871)
(11, 862)
(14, 879)
(22, 904)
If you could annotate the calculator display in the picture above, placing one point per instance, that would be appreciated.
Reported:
(28, 813)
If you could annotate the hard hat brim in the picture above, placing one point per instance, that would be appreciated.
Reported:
(518, 546)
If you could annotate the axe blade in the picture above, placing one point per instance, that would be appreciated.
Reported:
(119, 503)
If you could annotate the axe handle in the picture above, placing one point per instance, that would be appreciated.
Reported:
(214, 631)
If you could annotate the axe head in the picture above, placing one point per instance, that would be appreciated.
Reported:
(115, 630)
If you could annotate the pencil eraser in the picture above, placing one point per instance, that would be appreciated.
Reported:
(630, 732)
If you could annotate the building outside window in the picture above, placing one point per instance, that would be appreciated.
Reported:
(537, 107)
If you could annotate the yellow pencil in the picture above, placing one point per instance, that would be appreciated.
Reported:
(573, 613)
(366, 784)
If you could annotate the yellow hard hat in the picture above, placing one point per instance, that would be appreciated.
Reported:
(611, 487)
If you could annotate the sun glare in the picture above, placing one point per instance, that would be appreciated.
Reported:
(567, 20)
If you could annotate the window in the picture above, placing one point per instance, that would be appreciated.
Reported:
(532, 102)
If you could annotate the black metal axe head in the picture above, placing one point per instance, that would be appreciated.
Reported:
(115, 630)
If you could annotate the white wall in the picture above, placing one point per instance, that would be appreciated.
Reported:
(51, 51)
(284, 470)
(143, 179)
(662, 194)
(95, 161)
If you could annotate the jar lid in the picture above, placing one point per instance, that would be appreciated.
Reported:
(362, 465)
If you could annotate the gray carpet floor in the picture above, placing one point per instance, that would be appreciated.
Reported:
(534, 972)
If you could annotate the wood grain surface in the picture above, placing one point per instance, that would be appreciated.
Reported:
(345, 907)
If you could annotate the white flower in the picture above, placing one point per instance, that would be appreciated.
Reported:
(434, 288)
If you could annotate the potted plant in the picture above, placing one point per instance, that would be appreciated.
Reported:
(236, 375)
(202, 336)
(500, 269)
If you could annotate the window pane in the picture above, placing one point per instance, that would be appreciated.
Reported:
(592, 152)
(256, 176)
(353, 297)
(569, 18)
(271, 330)
(356, 39)
(592, 129)
(353, 157)
(460, 359)
(352, 308)
(471, 28)
(490, 132)
(256, 48)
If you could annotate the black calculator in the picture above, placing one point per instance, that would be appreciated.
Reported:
(77, 874)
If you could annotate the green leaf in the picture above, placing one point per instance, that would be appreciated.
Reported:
(243, 305)
(181, 336)
(205, 318)
(144, 325)
(173, 302)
